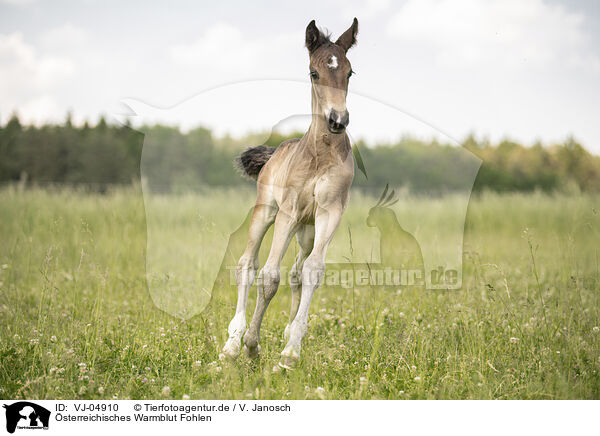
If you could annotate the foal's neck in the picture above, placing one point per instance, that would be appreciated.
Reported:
(318, 132)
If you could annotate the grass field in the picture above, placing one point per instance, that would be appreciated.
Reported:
(77, 320)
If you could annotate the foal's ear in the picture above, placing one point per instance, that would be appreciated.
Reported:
(348, 38)
(314, 37)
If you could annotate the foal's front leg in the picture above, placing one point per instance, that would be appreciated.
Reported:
(268, 279)
(262, 218)
(313, 270)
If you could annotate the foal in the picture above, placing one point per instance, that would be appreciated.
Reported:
(303, 187)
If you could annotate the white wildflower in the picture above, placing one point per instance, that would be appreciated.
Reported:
(320, 392)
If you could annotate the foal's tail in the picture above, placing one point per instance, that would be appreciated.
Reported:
(251, 161)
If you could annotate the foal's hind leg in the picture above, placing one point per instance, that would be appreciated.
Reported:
(306, 238)
(262, 217)
(268, 279)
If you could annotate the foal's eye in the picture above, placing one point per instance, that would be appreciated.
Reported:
(314, 75)
(350, 73)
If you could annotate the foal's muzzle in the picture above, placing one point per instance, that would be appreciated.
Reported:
(337, 121)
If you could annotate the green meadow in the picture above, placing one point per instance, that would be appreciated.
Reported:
(77, 320)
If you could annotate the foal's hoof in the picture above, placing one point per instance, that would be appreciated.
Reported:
(288, 362)
(252, 353)
(231, 350)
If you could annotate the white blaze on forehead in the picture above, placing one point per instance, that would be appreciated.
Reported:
(333, 64)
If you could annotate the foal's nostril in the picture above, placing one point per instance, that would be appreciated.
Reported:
(332, 119)
(338, 121)
(345, 119)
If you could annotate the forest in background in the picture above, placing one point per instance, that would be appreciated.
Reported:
(101, 155)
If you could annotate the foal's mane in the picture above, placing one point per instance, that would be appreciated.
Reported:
(326, 35)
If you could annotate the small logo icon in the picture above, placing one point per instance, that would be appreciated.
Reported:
(26, 415)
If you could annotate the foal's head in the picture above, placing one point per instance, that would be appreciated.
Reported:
(330, 71)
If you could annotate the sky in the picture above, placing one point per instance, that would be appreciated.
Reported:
(526, 70)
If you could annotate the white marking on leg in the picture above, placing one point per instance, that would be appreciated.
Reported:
(313, 270)
(244, 277)
(268, 281)
(262, 218)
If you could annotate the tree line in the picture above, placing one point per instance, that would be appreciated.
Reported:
(104, 154)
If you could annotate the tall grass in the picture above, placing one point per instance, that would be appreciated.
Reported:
(77, 319)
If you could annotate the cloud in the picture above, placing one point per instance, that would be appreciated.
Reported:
(364, 10)
(17, 2)
(224, 47)
(20, 62)
(28, 76)
(497, 33)
(64, 37)
(40, 109)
